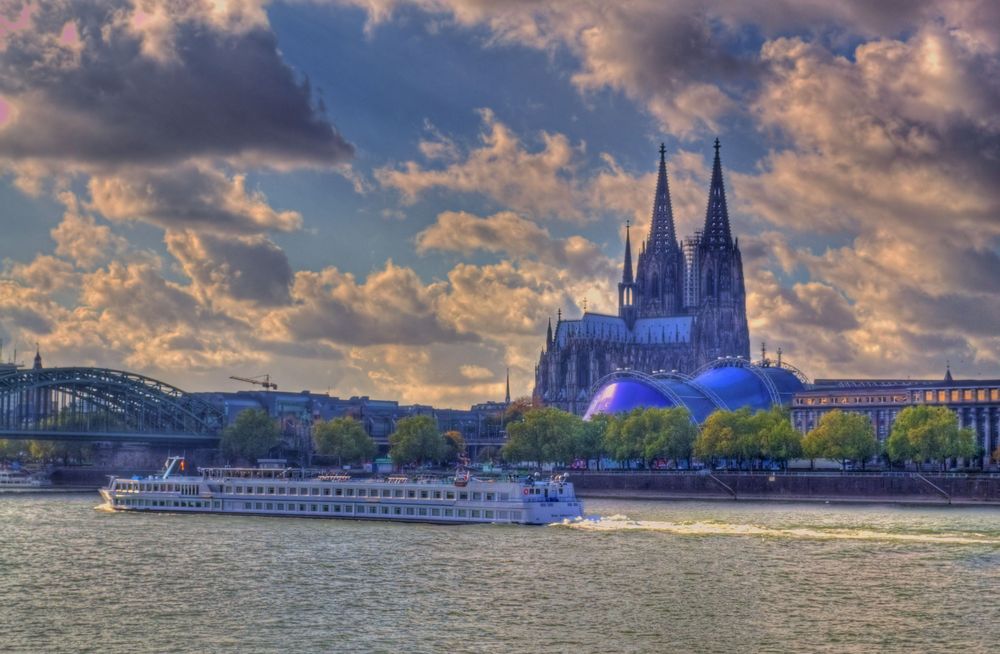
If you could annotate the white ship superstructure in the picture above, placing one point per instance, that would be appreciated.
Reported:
(285, 492)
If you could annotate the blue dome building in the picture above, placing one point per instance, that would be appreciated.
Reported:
(728, 384)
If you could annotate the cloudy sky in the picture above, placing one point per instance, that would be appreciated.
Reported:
(390, 197)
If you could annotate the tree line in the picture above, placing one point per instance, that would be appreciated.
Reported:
(538, 435)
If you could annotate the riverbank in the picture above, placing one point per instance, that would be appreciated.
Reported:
(892, 488)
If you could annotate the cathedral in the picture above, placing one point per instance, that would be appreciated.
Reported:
(684, 306)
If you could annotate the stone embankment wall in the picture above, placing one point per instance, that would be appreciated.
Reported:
(875, 487)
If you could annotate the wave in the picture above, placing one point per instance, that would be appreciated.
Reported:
(620, 523)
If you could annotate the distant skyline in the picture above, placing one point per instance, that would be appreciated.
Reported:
(391, 197)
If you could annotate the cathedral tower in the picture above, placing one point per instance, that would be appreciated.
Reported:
(660, 273)
(722, 314)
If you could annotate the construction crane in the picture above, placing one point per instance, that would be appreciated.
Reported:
(259, 380)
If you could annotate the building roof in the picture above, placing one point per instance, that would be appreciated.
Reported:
(729, 384)
(674, 329)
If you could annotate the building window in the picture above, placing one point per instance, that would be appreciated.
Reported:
(981, 394)
(967, 395)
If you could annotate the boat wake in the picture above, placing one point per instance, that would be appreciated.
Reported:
(621, 523)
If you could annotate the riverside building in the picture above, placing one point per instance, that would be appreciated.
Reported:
(975, 402)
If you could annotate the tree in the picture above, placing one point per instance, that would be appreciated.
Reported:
(669, 433)
(416, 440)
(517, 409)
(455, 445)
(777, 438)
(591, 441)
(545, 434)
(251, 436)
(343, 438)
(928, 433)
(623, 438)
(726, 434)
(841, 435)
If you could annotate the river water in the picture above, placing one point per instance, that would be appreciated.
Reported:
(647, 577)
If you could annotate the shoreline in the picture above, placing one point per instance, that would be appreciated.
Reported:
(790, 499)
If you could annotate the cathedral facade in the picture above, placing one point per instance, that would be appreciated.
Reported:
(682, 307)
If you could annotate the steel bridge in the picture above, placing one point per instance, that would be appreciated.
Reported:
(98, 404)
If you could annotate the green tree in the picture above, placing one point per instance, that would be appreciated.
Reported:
(344, 439)
(417, 440)
(251, 436)
(623, 438)
(728, 435)
(455, 445)
(669, 433)
(591, 440)
(842, 435)
(777, 439)
(545, 434)
(928, 433)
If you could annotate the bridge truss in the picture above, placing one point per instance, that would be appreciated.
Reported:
(102, 404)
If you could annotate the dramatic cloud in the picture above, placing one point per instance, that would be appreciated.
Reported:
(188, 196)
(539, 182)
(179, 81)
(510, 234)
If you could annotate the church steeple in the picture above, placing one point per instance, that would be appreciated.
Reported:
(661, 230)
(38, 358)
(717, 234)
(627, 269)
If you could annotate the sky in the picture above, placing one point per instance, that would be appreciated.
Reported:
(391, 197)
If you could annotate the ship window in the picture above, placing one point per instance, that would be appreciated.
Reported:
(450, 495)
(411, 494)
(423, 495)
(326, 491)
(397, 510)
(372, 509)
(435, 511)
(339, 492)
(315, 491)
(463, 496)
(270, 490)
(397, 493)
(348, 508)
(326, 508)
(270, 507)
(257, 506)
(313, 507)
(386, 492)
(349, 492)
(362, 492)
(449, 512)
(501, 515)
(409, 510)
(515, 515)
(475, 513)
(229, 489)
(385, 510)
(490, 497)
(336, 508)
(477, 496)
(504, 497)
(260, 490)
(488, 514)
(302, 507)
(461, 513)
(281, 506)
(281, 490)
(422, 511)
(437, 495)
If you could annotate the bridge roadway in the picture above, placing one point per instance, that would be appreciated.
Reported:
(111, 437)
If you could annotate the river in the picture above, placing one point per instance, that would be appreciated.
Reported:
(647, 577)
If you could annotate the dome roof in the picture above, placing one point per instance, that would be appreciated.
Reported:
(724, 385)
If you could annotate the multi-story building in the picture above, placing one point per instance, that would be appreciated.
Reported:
(975, 402)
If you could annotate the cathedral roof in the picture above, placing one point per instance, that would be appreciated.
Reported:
(613, 329)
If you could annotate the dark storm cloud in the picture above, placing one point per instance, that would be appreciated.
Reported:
(211, 93)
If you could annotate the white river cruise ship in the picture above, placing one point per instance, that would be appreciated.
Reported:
(284, 492)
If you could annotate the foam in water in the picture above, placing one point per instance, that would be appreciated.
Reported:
(621, 523)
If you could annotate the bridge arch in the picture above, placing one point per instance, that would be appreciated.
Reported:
(91, 402)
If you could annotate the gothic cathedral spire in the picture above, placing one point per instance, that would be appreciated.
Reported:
(626, 289)
(627, 268)
(661, 231)
(717, 234)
